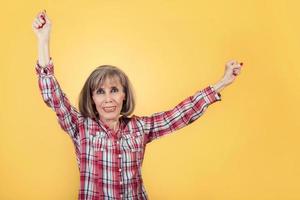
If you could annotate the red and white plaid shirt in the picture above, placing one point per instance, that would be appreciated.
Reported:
(110, 166)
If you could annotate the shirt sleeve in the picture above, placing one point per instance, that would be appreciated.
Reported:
(67, 115)
(184, 113)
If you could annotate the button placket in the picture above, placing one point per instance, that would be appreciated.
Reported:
(118, 160)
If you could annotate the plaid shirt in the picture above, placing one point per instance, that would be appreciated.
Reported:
(110, 165)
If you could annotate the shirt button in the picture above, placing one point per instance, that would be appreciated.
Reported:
(120, 169)
(121, 182)
(119, 155)
(121, 195)
(118, 142)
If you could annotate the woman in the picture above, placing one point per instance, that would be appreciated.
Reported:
(109, 144)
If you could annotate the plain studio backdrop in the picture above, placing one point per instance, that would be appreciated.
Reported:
(245, 147)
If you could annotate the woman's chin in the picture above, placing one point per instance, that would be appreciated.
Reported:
(109, 116)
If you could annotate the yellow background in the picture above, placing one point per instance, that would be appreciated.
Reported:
(245, 147)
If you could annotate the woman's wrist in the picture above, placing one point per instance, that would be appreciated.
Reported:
(43, 41)
(43, 52)
(219, 86)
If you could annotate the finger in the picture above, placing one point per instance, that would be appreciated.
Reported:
(35, 25)
(45, 16)
(39, 14)
(237, 66)
(232, 62)
(42, 18)
(38, 22)
(236, 72)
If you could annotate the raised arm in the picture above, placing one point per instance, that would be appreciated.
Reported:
(42, 27)
(67, 115)
(184, 113)
(191, 108)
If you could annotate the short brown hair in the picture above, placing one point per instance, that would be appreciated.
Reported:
(86, 104)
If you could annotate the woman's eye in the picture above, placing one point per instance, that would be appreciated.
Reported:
(114, 90)
(100, 91)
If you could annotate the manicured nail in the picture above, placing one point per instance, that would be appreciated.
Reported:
(43, 18)
(41, 26)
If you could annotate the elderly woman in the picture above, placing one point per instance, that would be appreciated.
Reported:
(109, 144)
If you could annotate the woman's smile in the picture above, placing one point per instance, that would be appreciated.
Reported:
(110, 109)
(108, 99)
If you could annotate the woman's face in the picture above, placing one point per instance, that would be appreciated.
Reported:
(108, 99)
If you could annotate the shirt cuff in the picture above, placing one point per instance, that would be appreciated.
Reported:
(46, 70)
(211, 94)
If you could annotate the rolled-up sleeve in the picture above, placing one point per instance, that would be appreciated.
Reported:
(67, 115)
(184, 113)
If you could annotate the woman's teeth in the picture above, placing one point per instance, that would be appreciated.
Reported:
(109, 109)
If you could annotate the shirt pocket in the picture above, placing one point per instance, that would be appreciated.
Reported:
(99, 155)
(100, 142)
(133, 150)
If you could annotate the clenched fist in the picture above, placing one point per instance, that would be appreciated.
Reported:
(42, 26)
(232, 70)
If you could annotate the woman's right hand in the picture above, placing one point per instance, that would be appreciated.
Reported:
(42, 26)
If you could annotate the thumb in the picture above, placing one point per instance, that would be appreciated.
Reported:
(45, 15)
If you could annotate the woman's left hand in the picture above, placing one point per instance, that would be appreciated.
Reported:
(232, 70)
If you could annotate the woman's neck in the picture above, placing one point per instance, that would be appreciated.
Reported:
(112, 124)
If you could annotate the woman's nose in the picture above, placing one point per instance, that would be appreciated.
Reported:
(108, 98)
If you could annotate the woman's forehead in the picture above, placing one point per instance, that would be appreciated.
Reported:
(113, 80)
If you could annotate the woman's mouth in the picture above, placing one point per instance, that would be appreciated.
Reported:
(109, 109)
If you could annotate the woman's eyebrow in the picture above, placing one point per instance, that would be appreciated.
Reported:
(101, 88)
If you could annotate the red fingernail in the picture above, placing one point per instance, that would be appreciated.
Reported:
(41, 26)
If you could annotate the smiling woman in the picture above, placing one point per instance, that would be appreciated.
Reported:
(106, 81)
(110, 144)
(108, 100)
(111, 94)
